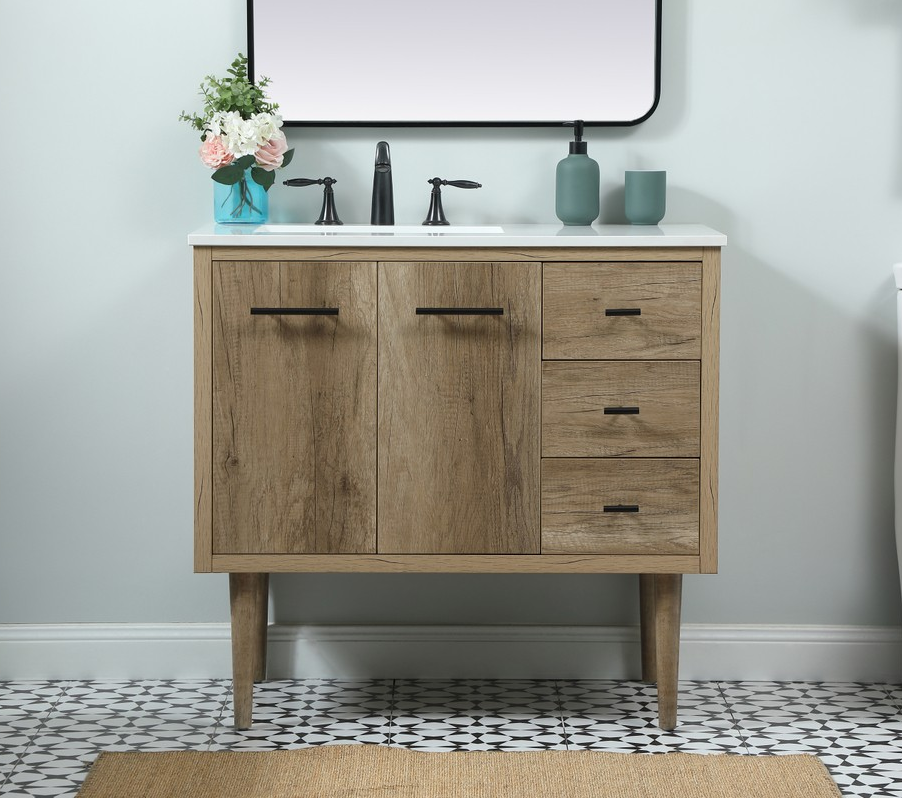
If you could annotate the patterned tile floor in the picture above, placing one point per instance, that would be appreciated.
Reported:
(50, 732)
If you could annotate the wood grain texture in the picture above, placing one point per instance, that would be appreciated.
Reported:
(203, 408)
(576, 297)
(261, 626)
(246, 593)
(647, 629)
(709, 409)
(576, 394)
(456, 563)
(458, 254)
(294, 409)
(459, 409)
(575, 493)
(668, 600)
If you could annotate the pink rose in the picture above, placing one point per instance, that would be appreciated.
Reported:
(270, 155)
(214, 153)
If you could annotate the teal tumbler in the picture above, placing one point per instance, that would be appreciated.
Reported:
(645, 196)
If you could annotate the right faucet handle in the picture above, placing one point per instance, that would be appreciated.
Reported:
(436, 214)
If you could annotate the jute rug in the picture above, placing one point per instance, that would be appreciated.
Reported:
(372, 771)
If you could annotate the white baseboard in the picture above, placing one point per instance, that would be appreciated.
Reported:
(707, 652)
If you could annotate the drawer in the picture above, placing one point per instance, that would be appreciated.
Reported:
(620, 506)
(621, 408)
(614, 311)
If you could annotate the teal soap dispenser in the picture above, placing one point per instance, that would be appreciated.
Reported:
(576, 184)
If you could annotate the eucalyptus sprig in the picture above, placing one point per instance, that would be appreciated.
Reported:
(235, 93)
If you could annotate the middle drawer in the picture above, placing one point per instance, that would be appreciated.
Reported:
(621, 408)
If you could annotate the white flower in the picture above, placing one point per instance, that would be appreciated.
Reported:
(243, 136)
(267, 126)
(214, 124)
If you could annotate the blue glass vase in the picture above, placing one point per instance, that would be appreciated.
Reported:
(244, 202)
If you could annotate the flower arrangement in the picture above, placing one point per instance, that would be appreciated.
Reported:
(240, 130)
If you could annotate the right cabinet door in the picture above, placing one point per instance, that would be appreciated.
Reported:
(459, 408)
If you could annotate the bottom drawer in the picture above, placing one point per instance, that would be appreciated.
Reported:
(614, 506)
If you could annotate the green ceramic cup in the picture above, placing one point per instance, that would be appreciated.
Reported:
(645, 196)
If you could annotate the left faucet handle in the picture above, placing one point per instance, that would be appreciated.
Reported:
(328, 214)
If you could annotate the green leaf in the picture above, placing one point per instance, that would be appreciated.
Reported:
(286, 158)
(228, 175)
(263, 178)
(244, 162)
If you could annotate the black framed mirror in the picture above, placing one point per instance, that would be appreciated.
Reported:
(458, 62)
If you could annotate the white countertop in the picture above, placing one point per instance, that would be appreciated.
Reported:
(508, 235)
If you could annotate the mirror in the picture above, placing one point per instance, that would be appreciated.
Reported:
(458, 62)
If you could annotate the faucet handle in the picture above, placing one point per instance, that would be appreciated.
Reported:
(306, 181)
(328, 214)
(436, 214)
(461, 183)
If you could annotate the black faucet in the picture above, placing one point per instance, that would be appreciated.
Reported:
(383, 211)
(328, 214)
(436, 214)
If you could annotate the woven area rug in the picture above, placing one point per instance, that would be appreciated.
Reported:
(355, 771)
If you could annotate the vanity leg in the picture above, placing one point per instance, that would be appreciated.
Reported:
(667, 600)
(246, 594)
(647, 626)
(261, 625)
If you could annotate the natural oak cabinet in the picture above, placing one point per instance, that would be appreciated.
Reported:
(611, 310)
(621, 408)
(294, 408)
(459, 379)
(545, 408)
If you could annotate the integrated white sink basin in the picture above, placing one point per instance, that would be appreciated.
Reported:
(370, 229)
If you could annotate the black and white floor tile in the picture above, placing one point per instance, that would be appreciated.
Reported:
(50, 732)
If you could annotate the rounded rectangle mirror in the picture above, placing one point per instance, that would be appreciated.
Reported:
(458, 62)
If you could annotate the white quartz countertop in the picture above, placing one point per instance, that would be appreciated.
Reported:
(508, 235)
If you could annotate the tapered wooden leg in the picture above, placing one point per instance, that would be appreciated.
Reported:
(261, 605)
(246, 594)
(647, 626)
(668, 596)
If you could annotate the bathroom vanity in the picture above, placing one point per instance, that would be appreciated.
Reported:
(525, 399)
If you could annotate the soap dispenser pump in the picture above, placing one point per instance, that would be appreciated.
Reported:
(576, 183)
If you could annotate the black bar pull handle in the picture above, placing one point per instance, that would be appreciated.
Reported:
(621, 411)
(623, 311)
(460, 311)
(294, 311)
(621, 508)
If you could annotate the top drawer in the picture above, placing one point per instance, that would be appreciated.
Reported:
(609, 311)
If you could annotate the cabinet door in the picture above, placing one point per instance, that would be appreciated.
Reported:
(294, 407)
(459, 407)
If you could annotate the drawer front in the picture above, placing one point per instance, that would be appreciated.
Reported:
(620, 409)
(620, 506)
(613, 311)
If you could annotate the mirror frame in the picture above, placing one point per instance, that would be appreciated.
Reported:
(252, 47)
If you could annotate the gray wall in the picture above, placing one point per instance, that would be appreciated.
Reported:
(779, 124)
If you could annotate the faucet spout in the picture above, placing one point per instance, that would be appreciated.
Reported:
(383, 209)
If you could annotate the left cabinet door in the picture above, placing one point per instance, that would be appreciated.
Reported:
(294, 407)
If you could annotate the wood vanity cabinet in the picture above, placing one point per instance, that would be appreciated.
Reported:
(446, 409)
